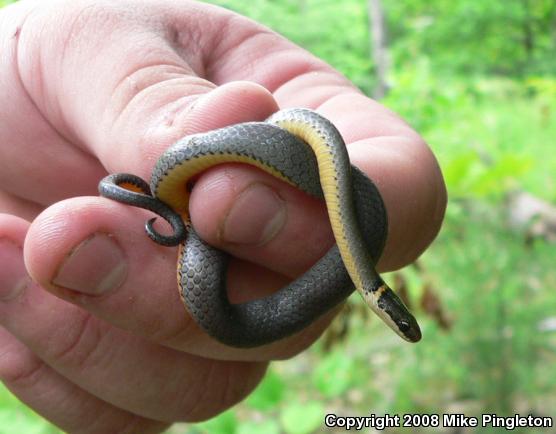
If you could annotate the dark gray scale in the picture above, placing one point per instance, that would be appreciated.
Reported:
(274, 146)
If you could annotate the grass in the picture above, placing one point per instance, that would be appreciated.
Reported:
(491, 135)
(17, 418)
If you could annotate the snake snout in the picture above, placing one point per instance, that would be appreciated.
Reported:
(410, 329)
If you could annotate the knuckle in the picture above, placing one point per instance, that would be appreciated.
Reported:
(223, 385)
(77, 345)
(20, 368)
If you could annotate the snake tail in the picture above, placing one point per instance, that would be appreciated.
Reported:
(135, 191)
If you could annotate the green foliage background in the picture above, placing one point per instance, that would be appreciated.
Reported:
(478, 81)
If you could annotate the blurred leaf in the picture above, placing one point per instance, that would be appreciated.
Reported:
(15, 417)
(334, 374)
(545, 86)
(458, 171)
(268, 393)
(265, 427)
(302, 418)
(225, 423)
(502, 176)
(13, 421)
(6, 2)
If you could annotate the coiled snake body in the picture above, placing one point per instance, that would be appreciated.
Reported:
(304, 149)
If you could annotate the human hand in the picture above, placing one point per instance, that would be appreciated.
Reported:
(98, 340)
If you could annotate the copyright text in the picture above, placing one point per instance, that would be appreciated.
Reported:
(458, 420)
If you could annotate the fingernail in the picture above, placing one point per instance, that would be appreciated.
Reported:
(96, 266)
(256, 217)
(13, 275)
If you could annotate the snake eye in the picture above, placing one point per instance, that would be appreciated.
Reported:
(403, 326)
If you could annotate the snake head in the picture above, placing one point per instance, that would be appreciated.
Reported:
(396, 315)
(388, 306)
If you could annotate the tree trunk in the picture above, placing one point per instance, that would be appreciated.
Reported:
(528, 36)
(379, 47)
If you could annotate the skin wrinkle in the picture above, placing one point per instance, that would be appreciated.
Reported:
(89, 416)
(46, 104)
(296, 61)
(18, 78)
(180, 107)
(135, 88)
(104, 15)
(341, 91)
(17, 70)
(74, 349)
(175, 336)
(226, 393)
(293, 63)
(16, 41)
(27, 373)
(326, 93)
(222, 44)
(137, 424)
(166, 106)
(250, 62)
(146, 153)
(177, 410)
(201, 385)
(308, 71)
(36, 390)
(387, 124)
(19, 67)
(228, 45)
(189, 42)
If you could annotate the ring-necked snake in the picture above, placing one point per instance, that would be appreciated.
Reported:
(304, 149)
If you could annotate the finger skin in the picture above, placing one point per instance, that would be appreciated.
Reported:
(115, 366)
(59, 400)
(26, 131)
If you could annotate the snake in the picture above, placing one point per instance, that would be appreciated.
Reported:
(304, 149)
